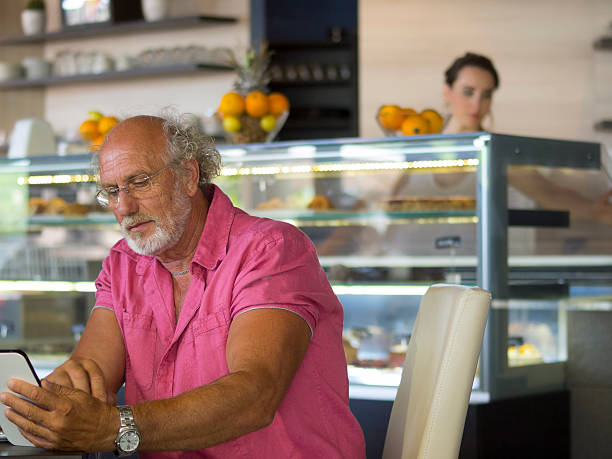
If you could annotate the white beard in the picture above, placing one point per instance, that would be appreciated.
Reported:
(167, 232)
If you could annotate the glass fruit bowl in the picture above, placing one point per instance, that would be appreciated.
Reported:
(252, 116)
(248, 129)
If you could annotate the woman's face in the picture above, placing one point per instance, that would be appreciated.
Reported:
(470, 97)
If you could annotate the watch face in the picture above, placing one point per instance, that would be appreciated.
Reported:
(129, 441)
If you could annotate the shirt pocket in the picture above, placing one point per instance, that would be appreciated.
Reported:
(210, 340)
(140, 336)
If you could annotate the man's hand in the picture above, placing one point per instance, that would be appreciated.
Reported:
(85, 375)
(61, 418)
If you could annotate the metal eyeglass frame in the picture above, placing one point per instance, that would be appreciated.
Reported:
(103, 195)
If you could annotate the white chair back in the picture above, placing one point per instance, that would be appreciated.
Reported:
(430, 407)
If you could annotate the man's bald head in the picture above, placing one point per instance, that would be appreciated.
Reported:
(173, 137)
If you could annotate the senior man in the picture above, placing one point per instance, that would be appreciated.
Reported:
(223, 326)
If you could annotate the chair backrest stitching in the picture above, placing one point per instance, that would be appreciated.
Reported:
(444, 366)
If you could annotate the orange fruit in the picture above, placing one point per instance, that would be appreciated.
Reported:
(232, 104)
(97, 142)
(409, 111)
(415, 125)
(89, 129)
(256, 104)
(390, 117)
(277, 103)
(435, 120)
(106, 123)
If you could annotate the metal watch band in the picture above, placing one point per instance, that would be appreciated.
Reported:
(126, 416)
(127, 429)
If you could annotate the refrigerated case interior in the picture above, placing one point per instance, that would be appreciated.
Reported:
(388, 217)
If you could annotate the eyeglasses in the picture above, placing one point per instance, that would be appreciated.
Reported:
(139, 187)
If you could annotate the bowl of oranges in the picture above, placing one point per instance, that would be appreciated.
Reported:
(254, 117)
(94, 129)
(395, 121)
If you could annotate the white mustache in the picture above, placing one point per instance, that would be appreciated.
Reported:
(135, 219)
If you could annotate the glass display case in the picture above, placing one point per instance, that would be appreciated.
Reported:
(521, 217)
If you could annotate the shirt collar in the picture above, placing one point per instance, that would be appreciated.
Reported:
(215, 236)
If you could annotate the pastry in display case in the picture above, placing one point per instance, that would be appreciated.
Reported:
(376, 210)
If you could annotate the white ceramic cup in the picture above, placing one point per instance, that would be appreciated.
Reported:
(35, 68)
(155, 10)
(124, 62)
(9, 71)
(33, 22)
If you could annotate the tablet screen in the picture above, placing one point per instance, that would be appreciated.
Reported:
(14, 364)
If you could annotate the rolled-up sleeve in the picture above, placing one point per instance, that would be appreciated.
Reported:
(104, 296)
(282, 272)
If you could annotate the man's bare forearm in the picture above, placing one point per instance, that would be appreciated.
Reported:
(232, 406)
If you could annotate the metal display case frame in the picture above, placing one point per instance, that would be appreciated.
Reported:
(490, 154)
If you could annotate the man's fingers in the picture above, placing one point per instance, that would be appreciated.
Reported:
(96, 380)
(37, 441)
(39, 436)
(21, 411)
(38, 396)
(59, 377)
(58, 388)
(79, 378)
(84, 375)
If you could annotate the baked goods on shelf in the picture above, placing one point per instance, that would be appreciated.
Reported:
(75, 209)
(56, 206)
(397, 353)
(320, 202)
(350, 352)
(36, 205)
(421, 204)
(274, 203)
(523, 354)
(374, 347)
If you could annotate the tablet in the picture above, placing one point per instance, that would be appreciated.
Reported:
(14, 364)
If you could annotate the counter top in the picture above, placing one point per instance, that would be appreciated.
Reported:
(8, 450)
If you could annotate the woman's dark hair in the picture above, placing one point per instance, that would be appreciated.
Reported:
(470, 60)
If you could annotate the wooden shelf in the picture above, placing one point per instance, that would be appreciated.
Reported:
(114, 75)
(301, 45)
(123, 28)
(311, 83)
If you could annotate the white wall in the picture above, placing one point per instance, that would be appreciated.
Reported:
(553, 83)
(67, 105)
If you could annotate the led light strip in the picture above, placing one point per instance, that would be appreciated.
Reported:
(90, 287)
(350, 167)
(383, 290)
(55, 179)
(46, 286)
(276, 170)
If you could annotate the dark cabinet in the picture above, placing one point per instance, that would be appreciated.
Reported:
(314, 63)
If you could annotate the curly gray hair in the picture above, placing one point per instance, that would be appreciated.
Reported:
(184, 140)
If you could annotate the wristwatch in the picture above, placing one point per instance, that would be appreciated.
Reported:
(128, 438)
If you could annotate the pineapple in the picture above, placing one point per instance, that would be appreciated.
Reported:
(252, 72)
(249, 113)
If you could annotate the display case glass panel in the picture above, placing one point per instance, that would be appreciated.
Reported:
(388, 217)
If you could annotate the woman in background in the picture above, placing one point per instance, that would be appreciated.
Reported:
(469, 85)
(468, 90)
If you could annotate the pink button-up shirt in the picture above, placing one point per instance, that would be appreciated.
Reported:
(241, 263)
